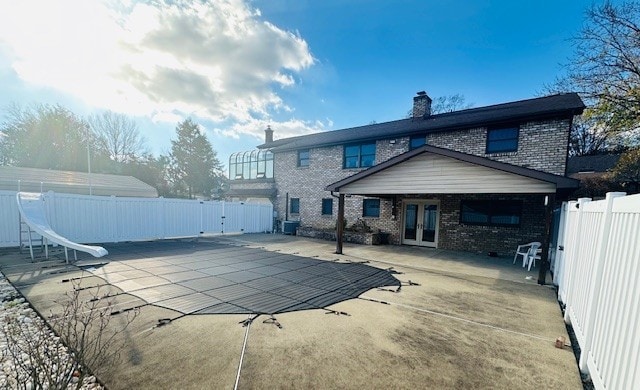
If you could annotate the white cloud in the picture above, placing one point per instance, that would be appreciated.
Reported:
(283, 129)
(216, 60)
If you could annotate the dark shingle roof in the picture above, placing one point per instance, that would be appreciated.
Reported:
(561, 105)
(561, 182)
(595, 163)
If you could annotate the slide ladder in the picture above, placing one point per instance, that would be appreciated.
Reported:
(27, 239)
(33, 215)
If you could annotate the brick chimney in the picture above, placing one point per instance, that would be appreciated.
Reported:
(268, 134)
(421, 105)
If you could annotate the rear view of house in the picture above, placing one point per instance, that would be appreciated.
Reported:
(474, 180)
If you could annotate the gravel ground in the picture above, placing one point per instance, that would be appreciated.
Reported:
(13, 307)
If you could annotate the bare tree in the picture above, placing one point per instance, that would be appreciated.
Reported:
(449, 103)
(588, 137)
(443, 104)
(87, 341)
(627, 171)
(117, 136)
(605, 67)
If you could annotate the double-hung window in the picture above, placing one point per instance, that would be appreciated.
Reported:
(503, 139)
(371, 208)
(294, 205)
(327, 206)
(303, 158)
(491, 212)
(359, 155)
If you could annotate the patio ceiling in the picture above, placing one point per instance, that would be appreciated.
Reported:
(433, 170)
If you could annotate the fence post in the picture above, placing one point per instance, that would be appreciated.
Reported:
(222, 219)
(596, 280)
(573, 263)
(558, 268)
(163, 217)
(569, 234)
(243, 213)
(113, 204)
(201, 230)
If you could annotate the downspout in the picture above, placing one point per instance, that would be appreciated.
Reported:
(286, 207)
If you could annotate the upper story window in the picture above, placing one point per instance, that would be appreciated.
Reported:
(255, 164)
(503, 139)
(303, 158)
(417, 141)
(360, 155)
(491, 213)
(371, 208)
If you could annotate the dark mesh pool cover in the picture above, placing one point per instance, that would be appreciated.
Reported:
(215, 278)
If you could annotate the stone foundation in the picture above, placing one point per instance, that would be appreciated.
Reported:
(364, 238)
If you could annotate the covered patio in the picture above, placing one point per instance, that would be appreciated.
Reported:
(451, 200)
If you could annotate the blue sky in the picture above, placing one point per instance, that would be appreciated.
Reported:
(301, 66)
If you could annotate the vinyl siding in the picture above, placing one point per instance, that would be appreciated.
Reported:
(428, 173)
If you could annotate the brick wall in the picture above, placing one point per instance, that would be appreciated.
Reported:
(541, 146)
(454, 235)
(325, 167)
(484, 239)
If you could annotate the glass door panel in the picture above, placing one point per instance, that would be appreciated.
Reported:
(430, 219)
(411, 222)
(420, 225)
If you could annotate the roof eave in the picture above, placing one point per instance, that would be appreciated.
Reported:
(568, 113)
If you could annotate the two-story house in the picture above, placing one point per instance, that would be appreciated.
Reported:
(474, 180)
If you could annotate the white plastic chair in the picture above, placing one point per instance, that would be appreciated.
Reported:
(533, 256)
(528, 253)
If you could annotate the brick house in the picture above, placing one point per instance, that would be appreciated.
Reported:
(475, 180)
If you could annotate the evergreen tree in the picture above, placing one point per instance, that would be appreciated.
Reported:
(195, 168)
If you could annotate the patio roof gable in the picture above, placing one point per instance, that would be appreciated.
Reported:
(430, 169)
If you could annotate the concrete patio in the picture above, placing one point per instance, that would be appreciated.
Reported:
(459, 321)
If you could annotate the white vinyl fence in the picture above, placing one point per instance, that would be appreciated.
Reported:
(102, 219)
(597, 270)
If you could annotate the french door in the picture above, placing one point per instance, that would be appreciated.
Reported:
(421, 220)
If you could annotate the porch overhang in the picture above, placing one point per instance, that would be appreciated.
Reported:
(433, 170)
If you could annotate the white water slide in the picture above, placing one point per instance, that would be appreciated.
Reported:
(32, 212)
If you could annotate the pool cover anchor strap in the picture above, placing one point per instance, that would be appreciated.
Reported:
(389, 290)
(272, 320)
(356, 262)
(338, 313)
(391, 270)
(409, 283)
(165, 321)
(248, 321)
(374, 300)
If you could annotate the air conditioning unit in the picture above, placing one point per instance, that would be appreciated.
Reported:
(289, 227)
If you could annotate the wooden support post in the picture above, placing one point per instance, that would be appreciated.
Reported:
(544, 259)
(340, 224)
